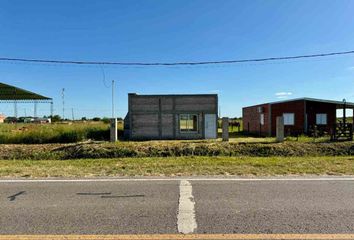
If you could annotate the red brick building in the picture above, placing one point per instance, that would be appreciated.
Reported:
(300, 115)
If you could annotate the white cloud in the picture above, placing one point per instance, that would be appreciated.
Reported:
(215, 91)
(283, 94)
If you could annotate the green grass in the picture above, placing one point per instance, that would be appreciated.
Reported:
(241, 138)
(349, 119)
(179, 166)
(99, 131)
(231, 129)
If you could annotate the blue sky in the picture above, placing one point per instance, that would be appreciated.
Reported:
(168, 31)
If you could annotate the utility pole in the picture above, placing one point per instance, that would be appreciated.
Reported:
(113, 127)
(72, 114)
(63, 100)
(113, 99)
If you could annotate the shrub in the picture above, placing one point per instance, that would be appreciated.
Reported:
(169, 149)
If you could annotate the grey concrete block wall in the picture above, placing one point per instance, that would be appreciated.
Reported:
(167, 126)
(157, 116)
(191, 135)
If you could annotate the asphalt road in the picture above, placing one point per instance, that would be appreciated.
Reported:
(158, 206)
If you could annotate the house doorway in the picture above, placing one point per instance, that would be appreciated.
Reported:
(210, 126)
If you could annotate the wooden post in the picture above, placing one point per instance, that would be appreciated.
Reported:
(225, 129)
(280, 129)
(113, 130)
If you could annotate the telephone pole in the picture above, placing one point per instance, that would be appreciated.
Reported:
(63, 100)
(113, 99)
(113, 127)
(72, 113)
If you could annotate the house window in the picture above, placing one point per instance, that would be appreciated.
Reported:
(321, 119)
(188, 122)
(289, 119)
(261, 120)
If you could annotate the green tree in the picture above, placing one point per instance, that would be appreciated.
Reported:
(56, 118)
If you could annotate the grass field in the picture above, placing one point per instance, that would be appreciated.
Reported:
(62, 156)
(99, 131)
(53, 133)
(179, 166)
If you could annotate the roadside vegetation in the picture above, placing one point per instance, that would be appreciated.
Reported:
(80, 149)
(179, 166)
(173, 149)
(53, 133)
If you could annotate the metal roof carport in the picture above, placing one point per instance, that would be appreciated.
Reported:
(12, 94)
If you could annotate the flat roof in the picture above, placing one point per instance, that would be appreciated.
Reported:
(12, 93)
(340, 103)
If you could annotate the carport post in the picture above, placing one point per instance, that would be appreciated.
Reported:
(344, 112)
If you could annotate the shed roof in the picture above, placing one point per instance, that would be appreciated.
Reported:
(12, 93)
(338, 103)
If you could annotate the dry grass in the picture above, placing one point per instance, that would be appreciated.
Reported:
(173, 149)
(53, 133)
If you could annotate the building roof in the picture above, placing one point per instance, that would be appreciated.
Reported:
(338, 103)
(349, 104)
(172, 95)
(12, 93)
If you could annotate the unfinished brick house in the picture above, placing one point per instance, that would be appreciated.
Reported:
(300, 116)
(190, 116)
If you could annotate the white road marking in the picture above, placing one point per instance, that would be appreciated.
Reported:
(186, 222)
(177, 179)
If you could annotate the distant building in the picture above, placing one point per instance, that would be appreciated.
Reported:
(171, 116)
(42, 120)
(300, 116)
(37, 120)
(2, 118)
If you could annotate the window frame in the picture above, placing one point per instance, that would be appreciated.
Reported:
(188, 119)
(293, 122)
(326, 118)
(261, 119)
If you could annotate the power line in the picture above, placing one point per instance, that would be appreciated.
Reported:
(174, 63)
